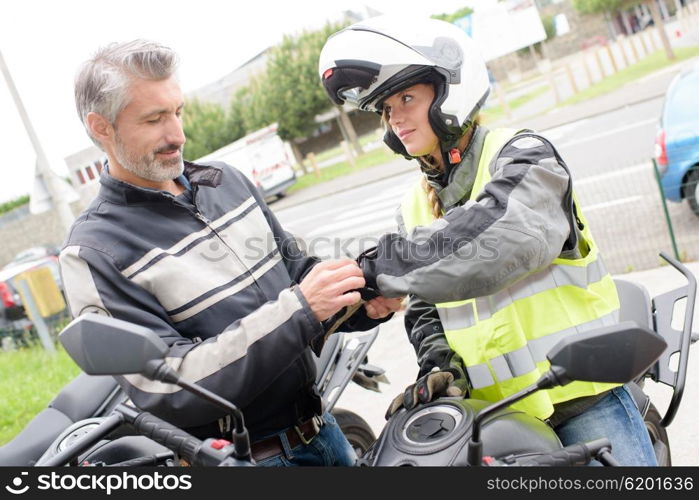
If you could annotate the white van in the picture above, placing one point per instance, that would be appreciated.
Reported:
(264, 159)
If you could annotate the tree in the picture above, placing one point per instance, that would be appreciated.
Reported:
(257, 109)
(600, 6)
(206, 127)
(294, 93)
(450, 18)
(235, 117)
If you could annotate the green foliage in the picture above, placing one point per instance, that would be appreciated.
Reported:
(601, 6)
(450, 18)
(207, 127)
(31, 378)
(549, 26)
(12, 204)
(256, 104)
(372, 158)
(293, 93)
(289, 93)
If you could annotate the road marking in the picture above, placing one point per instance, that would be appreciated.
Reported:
(352, 220)
(553, 134)
(607, 204)
(603, 177)
(607, 133)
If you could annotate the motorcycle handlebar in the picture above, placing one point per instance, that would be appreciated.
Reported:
(576, 454)
(212, 452)
(173, 438)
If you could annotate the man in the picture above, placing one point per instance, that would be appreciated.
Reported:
(192, 252)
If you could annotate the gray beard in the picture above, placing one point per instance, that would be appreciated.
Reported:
(148, 166)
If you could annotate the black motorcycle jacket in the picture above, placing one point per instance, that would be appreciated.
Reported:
(213, 273)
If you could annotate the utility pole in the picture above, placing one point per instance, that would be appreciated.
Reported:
(51, 180)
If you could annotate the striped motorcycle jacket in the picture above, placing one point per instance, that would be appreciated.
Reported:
(213, 273)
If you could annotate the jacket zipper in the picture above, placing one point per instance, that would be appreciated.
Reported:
(207, 223)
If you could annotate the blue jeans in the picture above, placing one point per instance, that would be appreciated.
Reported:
(329, 448)
(615, 417)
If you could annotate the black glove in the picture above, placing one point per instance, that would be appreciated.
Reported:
(363, 261)
(450, 382)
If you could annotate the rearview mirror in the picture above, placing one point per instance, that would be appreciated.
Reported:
(102, 345)
(615, 354)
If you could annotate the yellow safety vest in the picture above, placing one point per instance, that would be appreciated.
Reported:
(503, 338)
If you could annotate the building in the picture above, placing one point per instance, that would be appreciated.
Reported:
(84, 168)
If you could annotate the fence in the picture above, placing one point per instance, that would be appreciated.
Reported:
(631, 217)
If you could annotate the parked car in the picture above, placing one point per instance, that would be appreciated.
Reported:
(30, 258)
(11, 308)
(32, 254)
(677, 140)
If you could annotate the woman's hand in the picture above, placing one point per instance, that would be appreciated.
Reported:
(380, 307)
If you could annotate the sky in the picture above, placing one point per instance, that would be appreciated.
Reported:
(44, 41)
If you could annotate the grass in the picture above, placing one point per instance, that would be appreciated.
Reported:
(374, 157)
(494, 113)
(12, 204)
(654, 62)
(31, 378)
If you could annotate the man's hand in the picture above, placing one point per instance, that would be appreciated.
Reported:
(380, 307)
(327, 286)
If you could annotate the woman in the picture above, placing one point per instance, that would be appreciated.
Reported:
(494, 221)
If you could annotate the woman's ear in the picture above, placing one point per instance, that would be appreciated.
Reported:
(99, 127)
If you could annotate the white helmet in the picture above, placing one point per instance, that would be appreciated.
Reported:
(369, 61)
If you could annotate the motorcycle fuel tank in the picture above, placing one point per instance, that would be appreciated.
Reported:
(437, 434)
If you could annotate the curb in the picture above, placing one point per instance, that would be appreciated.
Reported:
(584, 116)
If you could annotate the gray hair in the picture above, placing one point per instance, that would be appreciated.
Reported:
(102, 82)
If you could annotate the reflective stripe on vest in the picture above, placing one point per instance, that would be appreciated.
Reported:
(503, 338)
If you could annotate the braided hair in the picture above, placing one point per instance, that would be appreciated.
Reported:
(432, 170)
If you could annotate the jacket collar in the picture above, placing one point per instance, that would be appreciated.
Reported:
(121, 192)
(463, 175)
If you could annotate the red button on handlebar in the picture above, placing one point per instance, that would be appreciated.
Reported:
(217, 444)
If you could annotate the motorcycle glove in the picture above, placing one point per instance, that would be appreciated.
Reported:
(435, 384)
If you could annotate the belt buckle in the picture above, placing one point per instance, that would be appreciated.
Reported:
(317, 422)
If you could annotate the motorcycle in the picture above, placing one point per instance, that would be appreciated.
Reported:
(449, 431)
(85, 402)
(464, 431)
(443, 432)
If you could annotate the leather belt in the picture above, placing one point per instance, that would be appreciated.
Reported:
(296, 435)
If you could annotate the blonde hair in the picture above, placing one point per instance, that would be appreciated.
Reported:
(432, 195)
